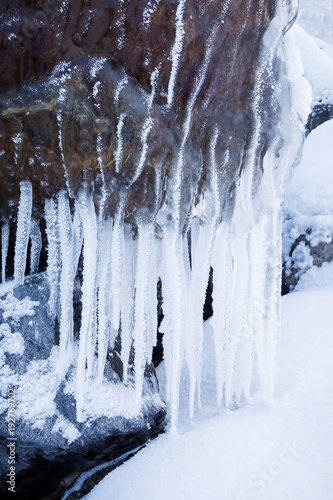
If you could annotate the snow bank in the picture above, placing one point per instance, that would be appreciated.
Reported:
(308, 207)
(317, 64)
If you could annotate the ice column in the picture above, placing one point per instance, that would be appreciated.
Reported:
(23, 231)
(4, 249)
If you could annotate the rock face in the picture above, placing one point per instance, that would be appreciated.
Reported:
(62, 70)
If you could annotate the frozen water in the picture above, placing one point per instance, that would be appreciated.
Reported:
(122, 262)
(4, 249)
(23, 231)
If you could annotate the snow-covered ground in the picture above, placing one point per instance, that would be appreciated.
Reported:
(281, 451)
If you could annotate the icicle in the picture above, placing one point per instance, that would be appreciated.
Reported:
(53, 253)
(23, 231)
(77, 237)
(127, 297)
(222, 266)
(152, 303)
(86, 208)
(104, 278)
(65, 227)
(116, 273)
(60, 122)
(201, 253)
(141, 307)
(174, 308)
(4, 248)
(36, 246)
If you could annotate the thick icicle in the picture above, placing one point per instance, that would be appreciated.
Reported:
(117, 258)
(36, 245)
(127, 296)
(174, 309)
(141, 306)
(104, 291)
(222, 265)
(67, 276)
(23, 231)
(201, 253)
(4, 249)
(53, 253)
(86, 208)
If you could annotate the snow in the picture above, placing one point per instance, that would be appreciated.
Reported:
(259, 451)
(11, 342)
(308, 207)
(318, 66)
(316, 17)
(12, 307)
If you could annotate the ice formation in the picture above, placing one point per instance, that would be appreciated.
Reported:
(122, 262)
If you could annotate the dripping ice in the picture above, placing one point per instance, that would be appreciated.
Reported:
(121, 269)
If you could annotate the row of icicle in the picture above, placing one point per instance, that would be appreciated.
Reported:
(120, 272)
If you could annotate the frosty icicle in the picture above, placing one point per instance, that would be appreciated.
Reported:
(4, 249)
(53, 253)
(36, 246)
(87, 332)
(67, 274)
(23, 231)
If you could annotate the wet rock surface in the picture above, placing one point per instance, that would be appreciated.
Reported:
(61, 67)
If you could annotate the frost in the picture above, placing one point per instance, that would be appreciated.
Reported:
(66, 429)
(23, 231)
(14, 308)
(11, 342)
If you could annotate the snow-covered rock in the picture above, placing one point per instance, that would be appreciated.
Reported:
(308, 211)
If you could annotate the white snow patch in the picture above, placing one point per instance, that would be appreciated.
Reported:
(318, 67)
(11, 342)
(14, 308)
(66, 429)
